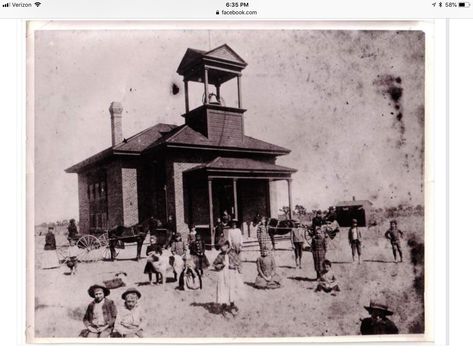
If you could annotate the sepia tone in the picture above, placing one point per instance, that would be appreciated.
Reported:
(141, 134)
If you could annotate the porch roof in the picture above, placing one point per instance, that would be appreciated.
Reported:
(241, 167)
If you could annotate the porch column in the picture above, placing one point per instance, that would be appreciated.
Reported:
(186, 91)
(206, 85)
(289, 191)
(235, 201)
(239, 91)
(211, 215)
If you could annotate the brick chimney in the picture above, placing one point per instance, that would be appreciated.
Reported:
(116, 110)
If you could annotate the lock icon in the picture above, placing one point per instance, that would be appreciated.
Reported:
(217, 12)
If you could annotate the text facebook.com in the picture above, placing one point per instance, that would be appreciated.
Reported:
(236, 12)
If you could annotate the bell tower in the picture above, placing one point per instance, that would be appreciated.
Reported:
(213, 69)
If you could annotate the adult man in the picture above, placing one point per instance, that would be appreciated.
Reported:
(394, 235)
(354, 240)
(378, 323)
(72, 231)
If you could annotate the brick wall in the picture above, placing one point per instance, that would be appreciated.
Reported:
(130, 196)
(114, 194)
(83, 204)
(178, 168)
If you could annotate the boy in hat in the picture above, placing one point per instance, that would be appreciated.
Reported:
(378, 323)
(354, 240)
(100, 315)
(394, 235)
(129, 322)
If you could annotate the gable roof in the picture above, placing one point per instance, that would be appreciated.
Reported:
(223, 52)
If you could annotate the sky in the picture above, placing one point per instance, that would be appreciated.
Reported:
(348, 104)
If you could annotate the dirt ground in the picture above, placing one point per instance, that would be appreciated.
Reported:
(294, 310)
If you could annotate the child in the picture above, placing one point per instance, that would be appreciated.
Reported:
(178, 247)
(319, 249)
(152, 252)
(229, 283)
(267, 277)
(100, 315)
(328, 281)
(197, 251)
(129, 322)
(395, 235)
(72, 258)
(297, 241)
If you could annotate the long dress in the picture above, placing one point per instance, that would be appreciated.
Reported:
(319, 249)
(49, 259)
(230, 286)
(266, 265)
(149, 267)
(236, 239)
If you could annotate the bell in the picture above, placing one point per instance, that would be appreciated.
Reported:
(213, 99)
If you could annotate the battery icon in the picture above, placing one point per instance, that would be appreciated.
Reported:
(463, 4)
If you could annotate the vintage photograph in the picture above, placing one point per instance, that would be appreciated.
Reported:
(230, 183)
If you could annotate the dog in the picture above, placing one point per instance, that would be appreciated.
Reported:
(166, 262)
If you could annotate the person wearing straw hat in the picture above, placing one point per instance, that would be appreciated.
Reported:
(100, 315)
(129, 322)
(378, 323)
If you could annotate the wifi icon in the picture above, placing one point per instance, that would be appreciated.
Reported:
(37, 3)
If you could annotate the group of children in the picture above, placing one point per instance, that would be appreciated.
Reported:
(103, 319)
(191, 250)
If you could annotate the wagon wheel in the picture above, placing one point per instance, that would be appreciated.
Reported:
(90, 248)
(105, 243)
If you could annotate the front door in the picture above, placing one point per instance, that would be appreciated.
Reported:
(223, 198)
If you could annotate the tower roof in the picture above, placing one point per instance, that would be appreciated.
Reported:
(223, 59)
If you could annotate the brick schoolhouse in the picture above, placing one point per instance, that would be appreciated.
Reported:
(192, 172)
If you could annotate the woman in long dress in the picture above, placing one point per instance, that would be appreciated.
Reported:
(229, 282)
(50, 258)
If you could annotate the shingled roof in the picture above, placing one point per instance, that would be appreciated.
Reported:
(133, 145)
(171, 135)
(242, 164)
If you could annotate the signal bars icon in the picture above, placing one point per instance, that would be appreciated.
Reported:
(6, 5)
